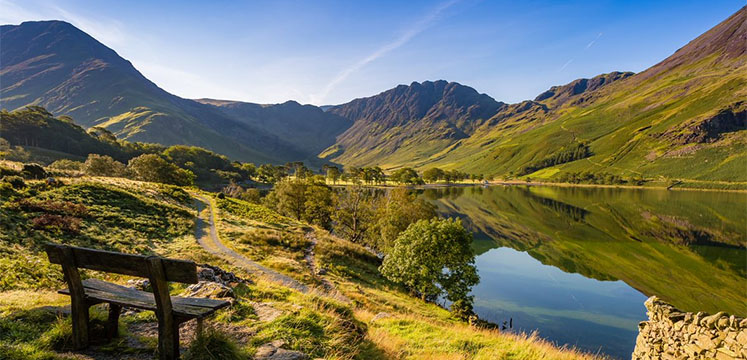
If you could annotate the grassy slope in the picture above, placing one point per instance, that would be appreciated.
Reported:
(621, 125)
(139, 217)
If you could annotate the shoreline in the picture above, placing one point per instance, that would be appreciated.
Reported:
(535, 183)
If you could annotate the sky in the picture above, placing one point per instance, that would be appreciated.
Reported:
(330, 52)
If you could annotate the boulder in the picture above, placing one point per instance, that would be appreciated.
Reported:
(213, 290)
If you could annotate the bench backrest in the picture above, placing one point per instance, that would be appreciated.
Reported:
(126, 264)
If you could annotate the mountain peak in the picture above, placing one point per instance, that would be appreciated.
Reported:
(726, 41)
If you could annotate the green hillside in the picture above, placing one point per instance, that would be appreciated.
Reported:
(366, 317)
(61, 68)
(682, 118)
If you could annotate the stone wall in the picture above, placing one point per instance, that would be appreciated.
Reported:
(672, 334)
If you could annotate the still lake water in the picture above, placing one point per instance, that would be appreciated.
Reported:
(576, 264)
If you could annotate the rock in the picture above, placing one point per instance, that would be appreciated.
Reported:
(379, 316)
(213, 290)
(273, 351)
(671, 334)
(207, 272)
(140, 284)
(266, 312)
(282, 354)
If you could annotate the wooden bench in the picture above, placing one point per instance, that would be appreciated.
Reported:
(170, 311)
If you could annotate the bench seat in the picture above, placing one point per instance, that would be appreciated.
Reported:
(99, 291)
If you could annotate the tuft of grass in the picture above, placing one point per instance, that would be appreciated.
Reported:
(212, 344)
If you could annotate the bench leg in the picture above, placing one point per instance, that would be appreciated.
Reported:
(112, 326)
(168, 340)
(79, 314)
(200, 327)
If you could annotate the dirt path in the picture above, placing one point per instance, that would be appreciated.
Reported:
(310, 258)
(209, 240)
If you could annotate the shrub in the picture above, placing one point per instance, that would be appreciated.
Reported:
(68, 224)
(33, 171)
(15, 181)
(67, 164)
(103, 165)
(151, 167)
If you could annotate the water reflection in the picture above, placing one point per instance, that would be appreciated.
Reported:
(577, 263)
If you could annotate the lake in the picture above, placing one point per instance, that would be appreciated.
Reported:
(576, 264)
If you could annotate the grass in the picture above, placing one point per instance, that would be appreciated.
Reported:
(132, 216)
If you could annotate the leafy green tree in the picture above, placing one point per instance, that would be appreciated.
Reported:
(393, 213)
(406, 176)
(333, 173)
(433, 175)
(247, 170)
(151, 167)
(288, 197)
(433, 257)
(319, 204)
(272, 174)
(353, 214)
(103, 165)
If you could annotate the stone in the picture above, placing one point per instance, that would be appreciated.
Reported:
(273, 351)
(213, 290)
(379, 316)
(140, 284)
(282, 354)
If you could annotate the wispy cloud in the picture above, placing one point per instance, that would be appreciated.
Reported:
(593, 41)
(588, 46)
(566, 64)
(419, 26)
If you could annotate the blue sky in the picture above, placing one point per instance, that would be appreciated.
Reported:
(330, 52)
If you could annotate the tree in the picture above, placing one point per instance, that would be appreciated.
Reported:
(353, 214)
(247, 170)
(406, 176)
(103, 165)
(271, 174)
(319, 204)
(393, 213)
(151, 167)
(433, 257)
(288, 198)
(432, 175)
(333, 173)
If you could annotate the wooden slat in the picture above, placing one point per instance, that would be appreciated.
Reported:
(127, 264)
(112, 293)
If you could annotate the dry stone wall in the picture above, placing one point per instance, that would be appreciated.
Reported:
(672, 334)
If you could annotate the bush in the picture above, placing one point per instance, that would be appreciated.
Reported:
(15, 181)
(33, 171)
(67, 164)
(103, 165)
(151, 167)
(68, 224)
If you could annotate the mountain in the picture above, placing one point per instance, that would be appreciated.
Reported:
(55, 65)
(409, 123)
(682, 118)
(309, 127)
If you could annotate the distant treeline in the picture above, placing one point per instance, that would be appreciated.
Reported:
(570, 153)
